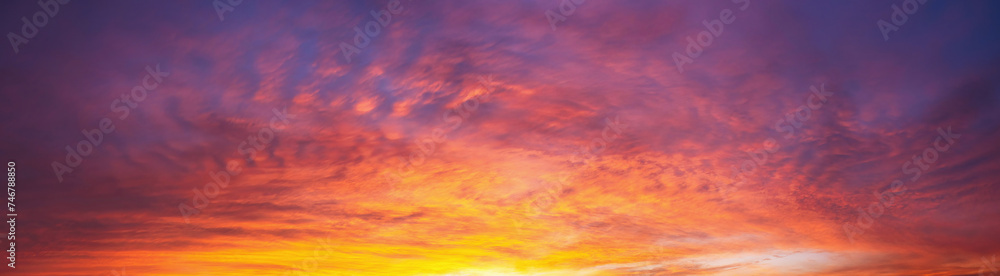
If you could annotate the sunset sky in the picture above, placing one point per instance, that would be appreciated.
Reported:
(474, 138)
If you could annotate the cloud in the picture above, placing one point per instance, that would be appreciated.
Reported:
(649, 202)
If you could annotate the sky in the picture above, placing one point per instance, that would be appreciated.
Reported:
(473, 138)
